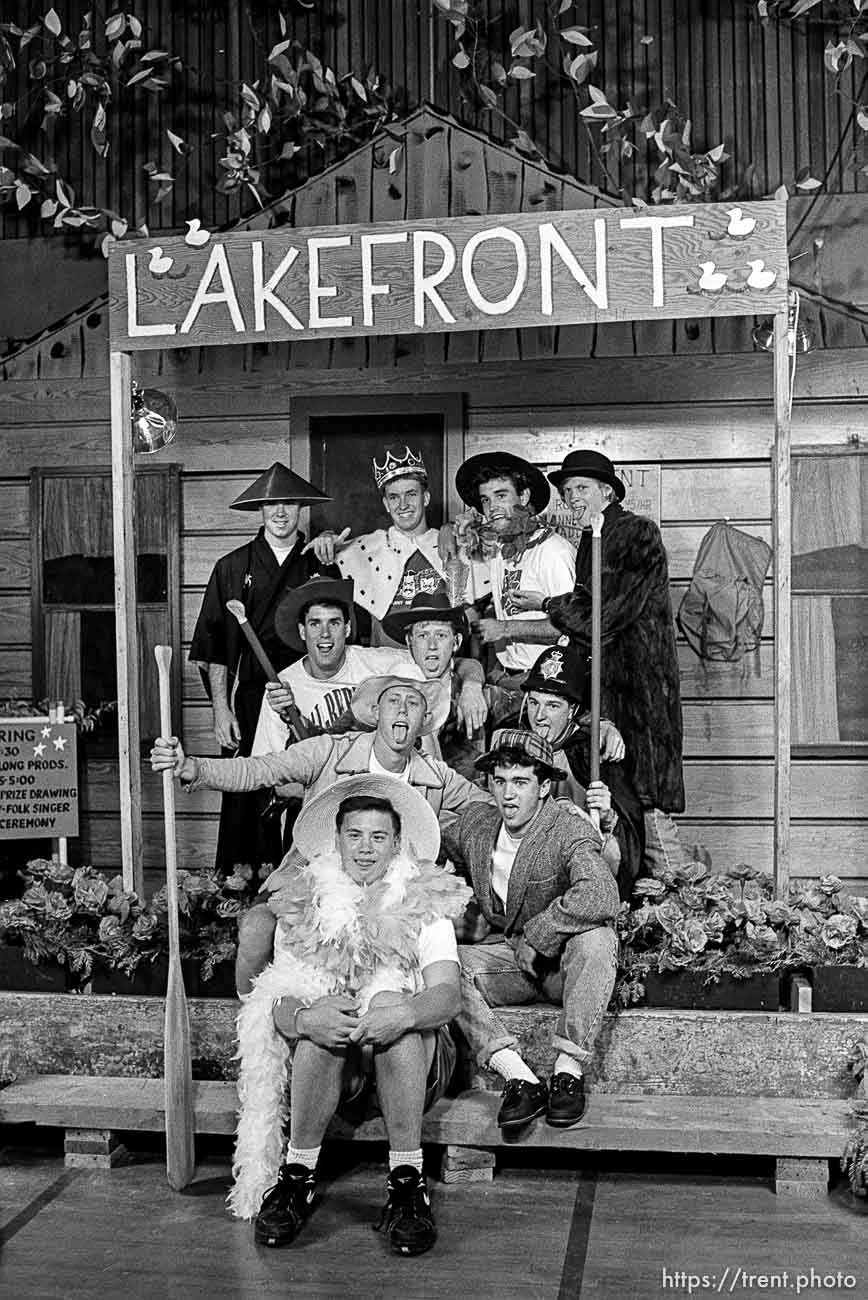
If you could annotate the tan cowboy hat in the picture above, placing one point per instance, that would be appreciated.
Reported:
(315, 829)
(367, 695)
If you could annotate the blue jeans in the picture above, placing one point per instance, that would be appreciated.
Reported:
(582, 986)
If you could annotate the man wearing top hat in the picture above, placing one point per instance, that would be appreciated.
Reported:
(507, 495)
(391, 566)
(258, 574)
(639, 678)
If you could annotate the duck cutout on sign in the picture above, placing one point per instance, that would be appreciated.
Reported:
(711, 280)
(759, 277)
(158, 264)
(738, 227)
(196, 237)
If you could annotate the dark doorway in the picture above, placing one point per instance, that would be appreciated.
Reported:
(342, 449)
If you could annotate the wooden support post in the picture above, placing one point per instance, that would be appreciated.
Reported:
(126, 630)
(92, 1148)
(783, 619)
(796, 1176)
(467, 1165)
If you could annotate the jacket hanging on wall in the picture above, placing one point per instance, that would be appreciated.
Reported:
(722, 612)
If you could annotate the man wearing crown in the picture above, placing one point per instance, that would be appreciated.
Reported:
(391, 566)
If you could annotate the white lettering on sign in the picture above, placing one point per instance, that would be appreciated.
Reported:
(316, 291)
(459, 273)
(425, 286)
(656, 225)
(263, 290)
(369, 289)
(217, 264)
(551, 241)
(502, 305)
(134, 329)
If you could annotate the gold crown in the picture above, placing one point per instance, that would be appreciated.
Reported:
(398, 467)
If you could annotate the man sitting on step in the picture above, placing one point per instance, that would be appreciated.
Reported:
(545, 901)
(363, 982)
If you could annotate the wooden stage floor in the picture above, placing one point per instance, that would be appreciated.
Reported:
(615, 1230)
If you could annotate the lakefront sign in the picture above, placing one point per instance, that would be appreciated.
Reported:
(461, 273)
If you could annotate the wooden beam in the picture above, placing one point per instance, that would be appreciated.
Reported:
(126, 637)
(782, 545)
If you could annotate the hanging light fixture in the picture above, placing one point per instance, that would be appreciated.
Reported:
(801, 335)
(155, 419)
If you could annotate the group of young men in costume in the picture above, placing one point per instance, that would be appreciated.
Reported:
(361, 950)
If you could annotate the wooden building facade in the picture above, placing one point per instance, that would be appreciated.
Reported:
(690, 401)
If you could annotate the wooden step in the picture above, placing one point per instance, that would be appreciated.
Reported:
(638, 1122)
(693, 1053)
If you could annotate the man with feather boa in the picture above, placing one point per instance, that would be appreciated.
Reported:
(362, 985)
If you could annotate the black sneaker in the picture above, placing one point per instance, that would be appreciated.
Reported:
(286, 1206)
(407, 1216)
(521, 1101)
(566, 1100)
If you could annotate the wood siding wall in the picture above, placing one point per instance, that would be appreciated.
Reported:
(762, 92)
(712, 439)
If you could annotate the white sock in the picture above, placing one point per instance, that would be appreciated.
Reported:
(298, 1156)
(509, 1065)
(567, 1065)
(413, 1158)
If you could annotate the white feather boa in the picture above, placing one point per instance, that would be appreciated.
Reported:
(324, 945)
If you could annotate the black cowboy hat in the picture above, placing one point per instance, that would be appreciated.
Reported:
(425, 607)
(316, 591)
(560, 670)
(466, 485)
(277, 484)
(588, 464)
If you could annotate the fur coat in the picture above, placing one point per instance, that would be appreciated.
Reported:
(639, 680)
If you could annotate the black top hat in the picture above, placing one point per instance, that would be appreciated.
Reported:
(588, 464)
(277, 484)
(560, 670)
(316, 591)
(425, 607)
(468, 473)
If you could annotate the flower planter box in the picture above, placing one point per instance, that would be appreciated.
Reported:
(24, 976)
(688, 990)
(150, 979)
(840, 988)
(220, 985)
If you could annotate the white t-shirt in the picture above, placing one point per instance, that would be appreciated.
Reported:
(550, 568)
(437, 942)
(322, 700)
(502, 862)
(375, 766)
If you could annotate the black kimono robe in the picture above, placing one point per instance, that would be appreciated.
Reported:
(252, 575)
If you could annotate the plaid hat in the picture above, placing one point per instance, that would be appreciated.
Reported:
(534, 747)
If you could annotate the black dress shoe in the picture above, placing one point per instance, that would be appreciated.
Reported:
(566, 1100)
(521, 1101)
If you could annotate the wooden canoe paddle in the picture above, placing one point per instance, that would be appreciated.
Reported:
(177, 1068)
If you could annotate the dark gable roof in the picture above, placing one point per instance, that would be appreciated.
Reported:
(441, 168)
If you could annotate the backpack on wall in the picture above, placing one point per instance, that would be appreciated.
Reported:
(722, 612)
